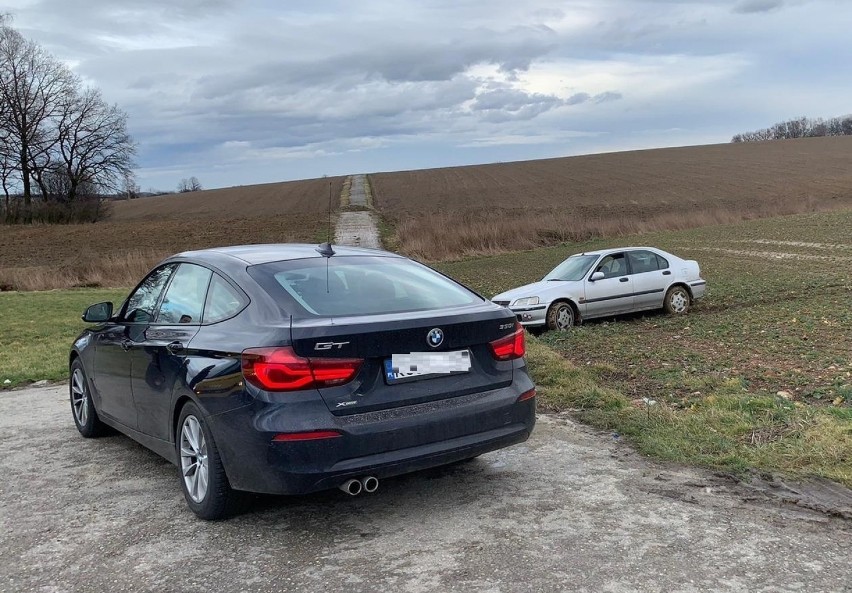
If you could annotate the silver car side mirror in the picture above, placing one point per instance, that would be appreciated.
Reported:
(597, 276)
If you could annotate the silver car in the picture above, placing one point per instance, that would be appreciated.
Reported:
(604, 283)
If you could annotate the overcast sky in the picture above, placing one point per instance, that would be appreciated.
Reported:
(240, 92)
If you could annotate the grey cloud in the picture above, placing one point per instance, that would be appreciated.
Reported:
(508, 104)
(509, 99)
(129, 10)
(393, 61)
(578, 98)
(754, 6)
(607, 97)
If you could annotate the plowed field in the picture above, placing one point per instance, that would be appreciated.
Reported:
(453, 212)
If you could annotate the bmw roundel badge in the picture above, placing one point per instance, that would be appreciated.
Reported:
(435, 337)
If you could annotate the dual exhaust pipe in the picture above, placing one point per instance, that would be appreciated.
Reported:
(356, 486)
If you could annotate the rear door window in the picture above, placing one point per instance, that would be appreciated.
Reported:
(643, 261)
(184, 299)
(359, 285)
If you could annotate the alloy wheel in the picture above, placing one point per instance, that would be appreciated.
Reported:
(193, 459)
(79, 397)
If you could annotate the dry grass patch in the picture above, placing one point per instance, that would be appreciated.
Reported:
(83, 270)
(116, 252)
(441, 236)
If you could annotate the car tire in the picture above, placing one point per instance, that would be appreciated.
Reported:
(561, 316)
(83, 411)
(677, 301)
(202, 475)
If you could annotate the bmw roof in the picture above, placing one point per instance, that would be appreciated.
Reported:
(265, 253)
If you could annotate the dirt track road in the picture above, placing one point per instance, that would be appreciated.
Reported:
(357, 229)
(571, 510)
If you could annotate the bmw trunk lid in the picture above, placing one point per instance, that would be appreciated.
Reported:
(463, 338)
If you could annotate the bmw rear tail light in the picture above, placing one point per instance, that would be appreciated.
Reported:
(281, 369)
(510, 347)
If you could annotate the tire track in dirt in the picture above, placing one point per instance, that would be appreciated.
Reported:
(358, 228)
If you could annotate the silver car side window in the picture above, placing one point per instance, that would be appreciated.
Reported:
(613, 265)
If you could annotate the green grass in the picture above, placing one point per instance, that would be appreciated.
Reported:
(777, 320)
(38, 329)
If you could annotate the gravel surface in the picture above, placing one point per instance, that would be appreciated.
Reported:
(572, 509)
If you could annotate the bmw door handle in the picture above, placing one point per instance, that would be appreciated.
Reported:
(622, 279)
(175, 347)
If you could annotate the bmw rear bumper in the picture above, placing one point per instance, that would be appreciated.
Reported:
(382, 444)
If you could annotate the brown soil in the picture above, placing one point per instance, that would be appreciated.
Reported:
(453, 212)
(637, 181)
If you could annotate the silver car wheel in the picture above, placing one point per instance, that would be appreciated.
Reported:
(560, 316)
(678, 301)
(565, 318)
(79, 397)
(193, 459)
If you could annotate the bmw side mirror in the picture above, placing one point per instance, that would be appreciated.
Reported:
(98, 313)
(597, 276)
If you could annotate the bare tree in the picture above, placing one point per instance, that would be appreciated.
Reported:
(8, 168)
(188, 185)
(130, 188)
(801, 127)
(33, 86)
(94, 147)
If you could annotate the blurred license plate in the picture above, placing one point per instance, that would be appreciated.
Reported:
(419, 365)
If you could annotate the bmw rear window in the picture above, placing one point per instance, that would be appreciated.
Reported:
(359, 285)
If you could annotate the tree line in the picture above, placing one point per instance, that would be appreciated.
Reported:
(62, 146)
(802, 127)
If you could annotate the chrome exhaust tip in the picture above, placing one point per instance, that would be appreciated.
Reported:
(371, 484)
(351, 487)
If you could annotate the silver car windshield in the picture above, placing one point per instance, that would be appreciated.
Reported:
(573, 268)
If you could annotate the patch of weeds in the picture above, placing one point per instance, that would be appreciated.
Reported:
(387, 233)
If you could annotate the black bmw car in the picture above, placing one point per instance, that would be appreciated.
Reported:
(288, 369)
